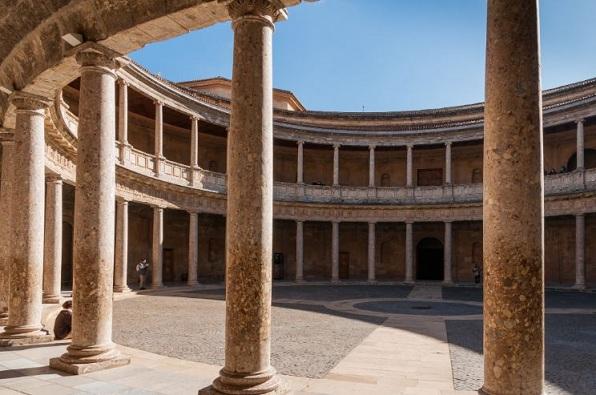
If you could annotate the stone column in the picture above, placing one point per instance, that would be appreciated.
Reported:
(26, 244)
(158, 137)
(448, 163)
(334, 252)
(249, 221)
(123, 121)
(371, 251)
(300, 165)
(335, 165)
(447, 277)
(52, 265)
(371, 166)
(193, 249)
(157, 249)
(194, 148)
(6, 226)
(409, 160)
(299, 251)
(409, 253)
(580, 248)
(513, 215)
(93, 242)
(580, 145)
(121, 264)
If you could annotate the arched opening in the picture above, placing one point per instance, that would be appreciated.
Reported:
(385, 180)
(429, 260)
(589, 160)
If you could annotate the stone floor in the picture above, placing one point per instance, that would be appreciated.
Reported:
(347, 339)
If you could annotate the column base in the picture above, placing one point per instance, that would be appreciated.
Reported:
(192, 283)
(90, 359)
(579, 287)
(335, 281)
(299, 281)
(51, 299)
(122, 290)
(15, 336)
(267, 382)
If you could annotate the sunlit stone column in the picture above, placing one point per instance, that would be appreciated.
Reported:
(409, 253)
(300, 165)
(157, 249)
(371, 251)
(580, 145)
(447, 251)
(409, 178)
(249, 225)
(93, 242)
(299, 251)
(448, 163)
(194, 148)
(26, 260)
(580, 250)
(193, 249)
(52, 265)
(121, 264)
(371, 166)
(5, 225)
(123, 121)
(513, 203)
(335, 165)
(158, 137)
(335, 251)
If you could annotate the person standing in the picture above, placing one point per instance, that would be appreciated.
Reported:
(142, 269)
(476, 272)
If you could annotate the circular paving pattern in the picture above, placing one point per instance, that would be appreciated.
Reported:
(419, 308)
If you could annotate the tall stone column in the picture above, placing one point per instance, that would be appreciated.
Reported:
(580, 145)
(5, 226)
(300, 164)
(194, 148)
(52, 266)
(249, 221)
(371, 251)
(448, 163)
(447, 277)
(299, 251)
(121, 264)
(580, 250)
(409, 160)
(158, 137)
(157, 249)
(334, 252)
(409, 252)
(335, 165)
(513, 215)
(371, 166)
(93, 242)
(193, 249)
(26, 244)
(123, 121)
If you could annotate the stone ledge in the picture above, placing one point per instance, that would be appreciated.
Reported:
(84, 368)
(25, 341)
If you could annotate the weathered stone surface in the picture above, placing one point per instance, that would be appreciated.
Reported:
(52, 266)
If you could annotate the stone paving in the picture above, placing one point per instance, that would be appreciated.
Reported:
(346, 339)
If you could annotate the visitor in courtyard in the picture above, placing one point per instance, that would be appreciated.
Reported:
(63, 324)
(142, 269)
(476, 272)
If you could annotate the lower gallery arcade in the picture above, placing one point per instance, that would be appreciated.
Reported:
(106, 201)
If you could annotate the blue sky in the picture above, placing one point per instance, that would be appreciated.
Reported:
(383, 55)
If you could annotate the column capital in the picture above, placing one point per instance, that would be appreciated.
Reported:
(448, 143)
(121, 200)
(193, 117)
(300, 142)
(300, 221)
(193, 212)
(372, 147)
(268, 11)
(409, 222)
(158, 102)
(122, 82)
(410, 146)
(54, 178)
(580, 120)
(372, 222)
(336, 146)
(24, 101)
(580, 215)
(91, 54)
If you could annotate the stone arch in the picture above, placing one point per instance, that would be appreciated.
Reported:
(589, 160)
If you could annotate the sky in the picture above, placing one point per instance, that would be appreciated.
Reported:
(385, 55)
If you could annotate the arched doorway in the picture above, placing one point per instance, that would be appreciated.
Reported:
(589, 160)
(429, 260)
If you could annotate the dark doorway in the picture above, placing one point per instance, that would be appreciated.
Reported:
(278, 266)
(430, 177)
(429, 262)
(589, 160)
(169, 274)
(344, 265)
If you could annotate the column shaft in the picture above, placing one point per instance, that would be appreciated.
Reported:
(194, 143)
(335, 251)
(121, 264)
(6, 226)
(371, 166)
(371, 251)
(26, 263)
(513, 216)
(158, 136)
(300, 164)
(157, 249)
(409, 159)
(447, 277)
(580, 249)
(409, 253)
(52, 268)
(335, 165)
(580, 145)
(448, 163)
(299, 251)
(193, 249)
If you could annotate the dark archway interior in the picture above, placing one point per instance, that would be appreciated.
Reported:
(589, 160)
(429, 265)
